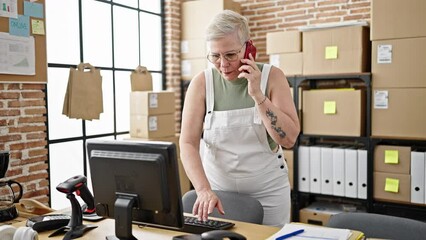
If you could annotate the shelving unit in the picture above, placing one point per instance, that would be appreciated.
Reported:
(301, 199)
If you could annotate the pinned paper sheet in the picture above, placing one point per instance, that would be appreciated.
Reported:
(391, 157)
(37, 27)
(19, 26)
(33, 9)
(329, 107)
(331, 52)
(392, 185)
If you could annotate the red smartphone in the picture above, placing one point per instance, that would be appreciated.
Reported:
(250, 48)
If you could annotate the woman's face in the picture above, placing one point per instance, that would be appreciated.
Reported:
(226, 53)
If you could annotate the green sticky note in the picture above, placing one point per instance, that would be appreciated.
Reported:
(331, 52)
(329, 107)
(391, 157)
(392, 185)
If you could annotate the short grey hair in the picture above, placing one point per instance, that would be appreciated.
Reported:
(228, 22)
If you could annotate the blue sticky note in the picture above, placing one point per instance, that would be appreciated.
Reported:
(33, 9)
(19, 26)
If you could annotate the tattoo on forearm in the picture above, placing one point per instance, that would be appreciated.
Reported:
(271, 115)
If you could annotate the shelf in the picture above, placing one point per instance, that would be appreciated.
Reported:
(364, 140)
(402, 210)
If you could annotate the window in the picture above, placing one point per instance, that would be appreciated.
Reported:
(115, 36)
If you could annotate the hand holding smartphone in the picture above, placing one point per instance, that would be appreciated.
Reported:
(250, 48)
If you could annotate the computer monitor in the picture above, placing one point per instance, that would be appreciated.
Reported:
(136, 182)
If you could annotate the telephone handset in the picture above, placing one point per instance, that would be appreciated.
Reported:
(250, 48)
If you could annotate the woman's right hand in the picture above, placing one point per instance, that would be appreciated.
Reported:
(204, 205)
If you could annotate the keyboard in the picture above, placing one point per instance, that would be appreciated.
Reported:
(192, 225)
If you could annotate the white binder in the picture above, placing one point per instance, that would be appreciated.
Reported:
(303, 161)
(417, 177)
(315, 169)
(326, 170)
(339, 171)
(362, 173)
(351, 173)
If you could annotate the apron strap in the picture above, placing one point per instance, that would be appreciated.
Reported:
(263, 84)
(208, 74)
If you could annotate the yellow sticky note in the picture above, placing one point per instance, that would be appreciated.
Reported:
(392, 185)
(331, 52)
(329, 107)
(37, 26)
(391, 157)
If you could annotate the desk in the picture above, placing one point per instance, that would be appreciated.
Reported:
(106, 227)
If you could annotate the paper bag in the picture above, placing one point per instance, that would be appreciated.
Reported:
(83, 98)
(141, 79)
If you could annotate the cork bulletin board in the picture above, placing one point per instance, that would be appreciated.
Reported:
(35, 12)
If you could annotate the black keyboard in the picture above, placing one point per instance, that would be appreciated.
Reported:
(192, 225)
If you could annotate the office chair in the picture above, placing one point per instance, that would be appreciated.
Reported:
(380, 226)
(237, 207)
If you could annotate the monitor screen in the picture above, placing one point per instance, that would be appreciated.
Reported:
(136, 182)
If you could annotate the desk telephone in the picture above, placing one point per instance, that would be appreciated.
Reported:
(212, 235)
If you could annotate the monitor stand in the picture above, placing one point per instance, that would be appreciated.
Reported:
(123, 216)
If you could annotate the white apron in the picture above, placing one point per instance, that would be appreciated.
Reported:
(237, 156)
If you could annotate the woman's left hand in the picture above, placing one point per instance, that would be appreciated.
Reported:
(252, 73)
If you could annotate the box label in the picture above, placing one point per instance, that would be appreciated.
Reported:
(392, 185)
(329, 107)
(331, 52)
(391, 157)
(184, 46)
(186, 68)
(152, 123)
(153, 100)
(384, 54)
(381, 99)
(274, 59)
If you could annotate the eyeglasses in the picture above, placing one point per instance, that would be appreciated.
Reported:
(229, 56)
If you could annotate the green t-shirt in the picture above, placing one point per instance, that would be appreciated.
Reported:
(230, 95)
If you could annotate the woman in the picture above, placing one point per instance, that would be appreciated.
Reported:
(245, 113)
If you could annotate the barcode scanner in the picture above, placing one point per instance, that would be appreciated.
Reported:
(75, 227)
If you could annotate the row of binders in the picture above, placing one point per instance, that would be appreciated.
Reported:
(334, 171)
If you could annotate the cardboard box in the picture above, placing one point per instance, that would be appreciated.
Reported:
(288, 158)
(392, 19)
(191, 67)
(196, 15)
(399, 63)
(283, 42)
(185, 184)
(152, 126)
(289, 63)
(399, 113)
(336, 50)
(392, 159)
(193, 48)
(319, 213)
(338, 112)
(392, 187)
(152, 103)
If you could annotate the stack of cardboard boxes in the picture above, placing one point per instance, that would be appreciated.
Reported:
(399, 174)
(399, 91)
(399, 73)
(196, 16)
(285, 51)
(338, 50)
(152, 118)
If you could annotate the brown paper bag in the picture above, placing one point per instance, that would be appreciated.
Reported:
(83, 98)
(141, 79)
